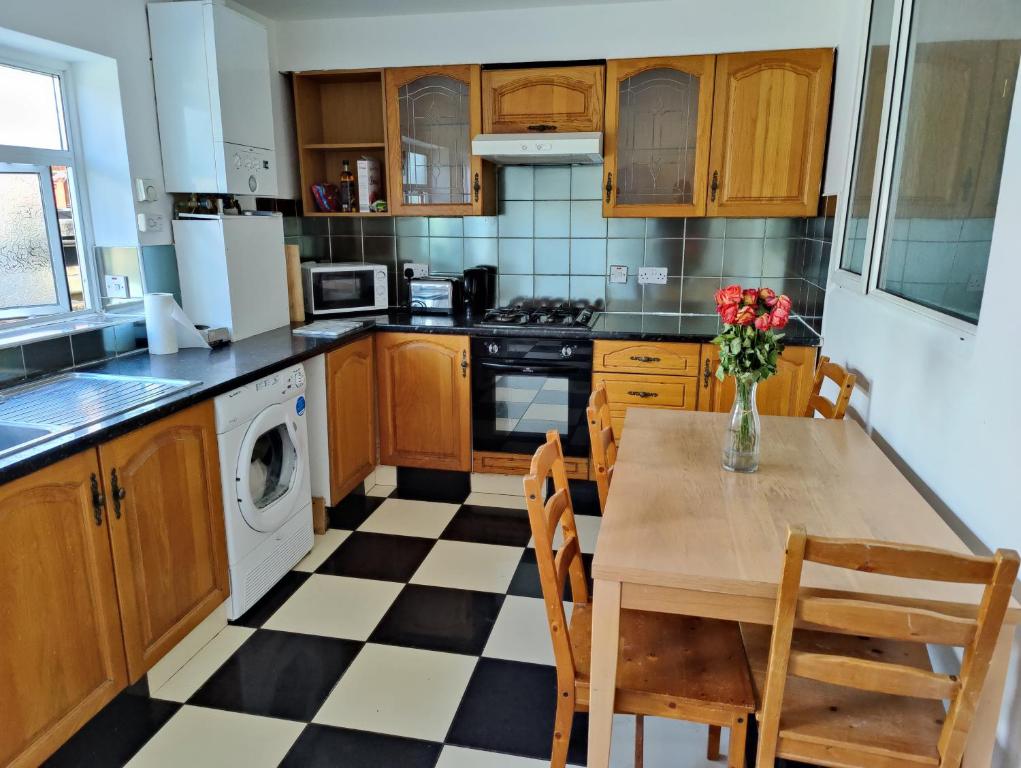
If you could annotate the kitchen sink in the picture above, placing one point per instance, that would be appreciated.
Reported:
(70, 401)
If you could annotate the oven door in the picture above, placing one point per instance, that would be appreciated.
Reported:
(514, 405)
(346, 290)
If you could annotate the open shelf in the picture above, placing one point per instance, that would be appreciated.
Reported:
(340, 115)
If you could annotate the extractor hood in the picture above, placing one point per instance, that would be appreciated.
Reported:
(540, 149)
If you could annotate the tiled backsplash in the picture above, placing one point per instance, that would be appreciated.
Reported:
(551, 243)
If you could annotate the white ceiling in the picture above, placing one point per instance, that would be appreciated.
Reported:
(330, 9)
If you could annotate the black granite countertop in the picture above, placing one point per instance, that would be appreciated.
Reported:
(220, 370)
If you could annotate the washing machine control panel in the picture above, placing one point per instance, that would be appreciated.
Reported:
(241, 404)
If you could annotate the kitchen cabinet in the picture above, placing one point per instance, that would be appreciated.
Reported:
(658, 119)
(640, 374)
(351, 415)
(543, 99)
(165, 513)
(432, 114)
(770, 115)
(60, 628)
(424, 393)
(783, 394)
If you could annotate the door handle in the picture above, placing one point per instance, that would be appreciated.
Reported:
(707, 373)
(609, 186)
(98, 499)
(118, 493)
(715, 185)
(464, 364)
(476, 187)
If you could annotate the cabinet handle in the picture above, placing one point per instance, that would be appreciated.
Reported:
(464, 364)
(707, 374)
(642, 394)
(117, 492)
(609, 186)
(715, 185)
(541, 127)
(476, 187)
(98, 499)
(644, 359)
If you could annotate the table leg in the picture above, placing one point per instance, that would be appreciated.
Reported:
(978, 752)
(603, 680)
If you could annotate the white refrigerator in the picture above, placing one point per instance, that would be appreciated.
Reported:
(232, 272)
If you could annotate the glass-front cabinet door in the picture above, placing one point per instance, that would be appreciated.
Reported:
(432, 115)
(658, 121)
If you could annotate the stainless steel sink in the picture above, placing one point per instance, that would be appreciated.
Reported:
(70, 401)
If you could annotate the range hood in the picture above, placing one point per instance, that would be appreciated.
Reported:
(540, 148)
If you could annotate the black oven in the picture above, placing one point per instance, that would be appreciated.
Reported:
(523, 387)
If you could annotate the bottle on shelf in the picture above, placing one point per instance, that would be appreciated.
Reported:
(348, 194)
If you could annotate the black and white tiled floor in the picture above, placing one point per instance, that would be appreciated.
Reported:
(413, 635)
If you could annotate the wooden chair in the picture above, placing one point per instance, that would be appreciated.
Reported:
(873, 702)
(600, 433)
(669, 666)
(843, 379)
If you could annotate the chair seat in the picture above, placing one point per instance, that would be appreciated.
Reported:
(821, 722)
(670, 665)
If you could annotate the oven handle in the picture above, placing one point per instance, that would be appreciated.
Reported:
(523, 368)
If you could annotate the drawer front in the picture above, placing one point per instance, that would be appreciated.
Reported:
(644, 357)
(652, 391)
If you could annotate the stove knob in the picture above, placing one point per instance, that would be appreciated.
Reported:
(493, 348)
(566, 351)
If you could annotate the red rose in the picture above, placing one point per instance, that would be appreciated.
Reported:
(779, 317)
(762, 322)
(728, 313)
(745, 315)
(784, 302)
(750, 296)
(729, 295)
(767, 296)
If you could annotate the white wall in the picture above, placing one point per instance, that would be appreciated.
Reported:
(946, 403)
(674, 27)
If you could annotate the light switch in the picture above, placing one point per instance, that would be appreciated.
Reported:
(618, 273)
(145, 191)
(655, 275)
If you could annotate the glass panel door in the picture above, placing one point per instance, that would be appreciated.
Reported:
(271, 467)
(657, 136)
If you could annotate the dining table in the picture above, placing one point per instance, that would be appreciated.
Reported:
(682, 535)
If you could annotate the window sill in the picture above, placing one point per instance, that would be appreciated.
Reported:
(16, 337)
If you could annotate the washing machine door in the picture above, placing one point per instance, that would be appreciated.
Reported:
(270, 466)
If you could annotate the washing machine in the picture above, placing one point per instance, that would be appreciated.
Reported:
(267, 497)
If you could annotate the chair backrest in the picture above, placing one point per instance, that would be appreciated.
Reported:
(843, 380)
(977, 636)
(600, 433)
(556, 567)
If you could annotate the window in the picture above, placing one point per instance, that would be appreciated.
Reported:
(41, 269)
(936, 104)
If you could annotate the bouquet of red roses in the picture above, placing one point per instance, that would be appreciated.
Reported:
(749, 344)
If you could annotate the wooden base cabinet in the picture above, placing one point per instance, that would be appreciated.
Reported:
(784, 394)
(166, 524)
(61, 656)
(351, 416)
(424, 390)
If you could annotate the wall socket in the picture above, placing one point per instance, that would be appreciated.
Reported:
(150, 222)
(655, 275)
(618, 273)
(418, 269)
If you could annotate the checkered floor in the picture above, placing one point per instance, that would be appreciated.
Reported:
(413, 635)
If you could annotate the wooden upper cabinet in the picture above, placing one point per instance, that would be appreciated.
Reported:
(432, 115)
(543, 99)
(350, 392)
(424, 391)
(770, 117)
(62, 658)
(166, 524)
(783, 394)
(656, 144)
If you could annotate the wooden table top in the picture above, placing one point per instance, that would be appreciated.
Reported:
(675, 518)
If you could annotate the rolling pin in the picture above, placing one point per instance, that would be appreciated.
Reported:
(295, 292)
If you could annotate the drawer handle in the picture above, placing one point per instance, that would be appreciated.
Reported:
(644, 359)
(542, 127)
(117, 492)
(642, 394)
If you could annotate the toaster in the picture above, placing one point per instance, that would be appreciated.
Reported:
(435, 295)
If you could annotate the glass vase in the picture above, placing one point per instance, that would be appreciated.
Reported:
(741, 440)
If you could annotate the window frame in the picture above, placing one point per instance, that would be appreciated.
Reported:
(883, 182)
(42, 159)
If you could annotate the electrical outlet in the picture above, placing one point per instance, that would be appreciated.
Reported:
(618, 273)
(116, 286)
(417, 269)
(655, 275)
(154, 222)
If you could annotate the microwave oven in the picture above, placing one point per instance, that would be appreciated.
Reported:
(331, 289)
